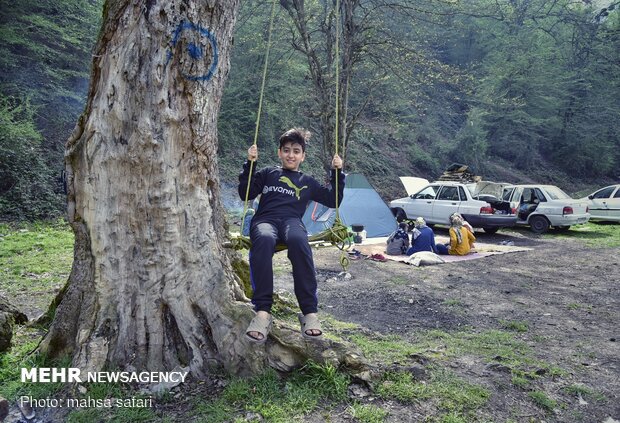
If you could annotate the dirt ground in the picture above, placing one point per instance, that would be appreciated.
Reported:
(566, 292)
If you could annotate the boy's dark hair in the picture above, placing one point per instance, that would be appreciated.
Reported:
(403, 226)
(295, 136)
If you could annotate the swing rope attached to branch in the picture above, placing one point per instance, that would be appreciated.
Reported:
(338, 234)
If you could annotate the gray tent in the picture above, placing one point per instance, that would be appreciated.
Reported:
(361, 205)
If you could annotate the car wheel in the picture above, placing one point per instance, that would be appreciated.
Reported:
(539, 224)
(562, 228)
(490, 231)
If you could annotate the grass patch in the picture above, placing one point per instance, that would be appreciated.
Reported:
(368, 413)
(451, 393)
(454, 418)
(86, 416)
(585, 392)
(492, 345)
(34, 259)
(543, 401)
(25, 341)
(593, 234)
(399, 280)
(514, 325)
(275, 399)
(520, 381)
(450, 302)
(390, 349)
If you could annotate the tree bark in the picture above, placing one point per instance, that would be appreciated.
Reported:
(151, 286)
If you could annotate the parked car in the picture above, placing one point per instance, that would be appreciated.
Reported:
(604, 204)
(436, 201)
(545, 206)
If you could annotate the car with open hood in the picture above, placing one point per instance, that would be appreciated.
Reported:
(543, 206)
(479, 203)
(604, 204)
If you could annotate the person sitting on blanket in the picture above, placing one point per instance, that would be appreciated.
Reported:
(461, 238)
(422, 238)
(398, 241)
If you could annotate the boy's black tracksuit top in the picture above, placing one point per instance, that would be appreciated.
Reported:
(286, 193)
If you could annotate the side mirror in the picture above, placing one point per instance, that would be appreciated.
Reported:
(591, 196)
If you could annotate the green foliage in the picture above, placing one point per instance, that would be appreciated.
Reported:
(514, 325)
(26, 182)
(533, 84)
(368, 413)
(275, 399)
(86, 416)
(20, 356)
(584, 391)
(450, 392)
(542, 400)
(593, 234)
(45, 54)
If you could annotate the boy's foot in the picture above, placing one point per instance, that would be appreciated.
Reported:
(259, 328)
(310, 326)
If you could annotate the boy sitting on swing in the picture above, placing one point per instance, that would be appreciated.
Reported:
(286, 193)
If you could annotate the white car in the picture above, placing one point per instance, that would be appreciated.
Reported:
(436, 201)
(543, 206)
(605, 204)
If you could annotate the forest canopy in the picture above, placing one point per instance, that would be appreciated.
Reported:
(531, 86)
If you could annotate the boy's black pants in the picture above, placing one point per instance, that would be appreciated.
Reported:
(265, 234)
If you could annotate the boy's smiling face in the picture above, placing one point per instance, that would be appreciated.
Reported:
(291, 155)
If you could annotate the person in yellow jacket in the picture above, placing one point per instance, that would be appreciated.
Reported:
(461, 238)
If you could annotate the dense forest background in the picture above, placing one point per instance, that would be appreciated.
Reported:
(518, 89)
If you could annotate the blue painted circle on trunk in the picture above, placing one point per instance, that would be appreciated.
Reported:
(195, 51)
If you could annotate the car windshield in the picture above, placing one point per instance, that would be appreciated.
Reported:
(556, 193)
(428, 193)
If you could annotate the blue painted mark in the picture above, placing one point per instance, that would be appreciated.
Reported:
(195, 51)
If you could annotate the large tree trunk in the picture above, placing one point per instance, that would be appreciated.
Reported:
(151, 286)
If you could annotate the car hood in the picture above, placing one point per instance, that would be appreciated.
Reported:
(412, 184)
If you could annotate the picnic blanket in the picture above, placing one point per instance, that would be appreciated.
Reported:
(372, 246)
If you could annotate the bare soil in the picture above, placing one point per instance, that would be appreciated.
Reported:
(566, 292)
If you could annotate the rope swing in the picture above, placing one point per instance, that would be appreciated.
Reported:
(338, 234)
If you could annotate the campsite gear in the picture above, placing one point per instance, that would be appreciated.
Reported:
(357, 229)
(378, 257)
(361, 205)
(310, 322)
(261, 325)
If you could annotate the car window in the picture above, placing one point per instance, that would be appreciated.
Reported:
(540, 196)
(556, 193)
(449, 194)
(464, 197)
(529, 196)
(617, 195)
(507, 194)
(428, 193)
(603, 193)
